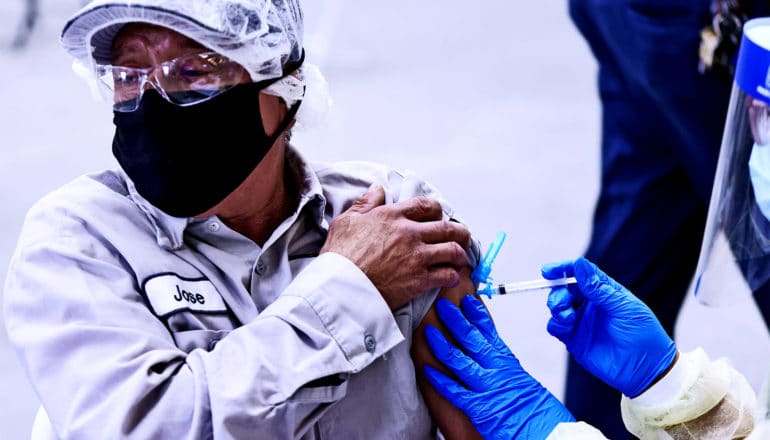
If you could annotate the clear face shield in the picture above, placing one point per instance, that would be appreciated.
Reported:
(736, 243)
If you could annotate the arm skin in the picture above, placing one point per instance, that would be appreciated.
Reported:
(454, 424)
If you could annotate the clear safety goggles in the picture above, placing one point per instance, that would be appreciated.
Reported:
(184, 81)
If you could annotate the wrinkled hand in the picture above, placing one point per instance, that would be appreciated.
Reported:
(405, 248)
(608, 330)
(502, 400)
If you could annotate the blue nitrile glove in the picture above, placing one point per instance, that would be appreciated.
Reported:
(502, 400)
(608, 330)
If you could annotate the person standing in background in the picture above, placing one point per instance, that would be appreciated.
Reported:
(663, 113)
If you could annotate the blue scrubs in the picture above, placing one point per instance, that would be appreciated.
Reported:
(662, 125)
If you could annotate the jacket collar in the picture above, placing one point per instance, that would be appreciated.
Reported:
(170, 231)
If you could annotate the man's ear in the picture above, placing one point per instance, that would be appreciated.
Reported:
(273, 110)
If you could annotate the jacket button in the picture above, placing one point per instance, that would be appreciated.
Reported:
(261, 268)
(370, 343)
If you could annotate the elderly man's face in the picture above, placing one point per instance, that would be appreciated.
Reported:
(143, 45)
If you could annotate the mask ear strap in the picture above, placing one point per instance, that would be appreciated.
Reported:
(286, 122)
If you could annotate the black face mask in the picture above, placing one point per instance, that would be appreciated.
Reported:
(185, 160)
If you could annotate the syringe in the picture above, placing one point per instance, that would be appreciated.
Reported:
(523, 286)
(481, 275)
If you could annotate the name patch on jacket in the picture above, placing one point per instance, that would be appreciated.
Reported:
(169, 293)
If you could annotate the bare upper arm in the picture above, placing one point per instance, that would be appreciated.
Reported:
(452, 422)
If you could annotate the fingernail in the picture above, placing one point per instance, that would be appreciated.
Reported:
(583, 270)
(443, 304)
(471, 301)
(442, 308)
(436, 338)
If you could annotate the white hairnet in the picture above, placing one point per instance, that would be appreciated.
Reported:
(260, 35)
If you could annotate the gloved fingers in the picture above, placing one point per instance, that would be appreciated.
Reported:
(487, 411)
(478, 315)
(455, 393)
(560, 303)
(446, 352)
(553, 271)
(465, 333)
(597, 287)
(559, 330)
(462, 366)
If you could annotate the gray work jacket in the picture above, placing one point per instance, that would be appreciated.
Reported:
(134, 324)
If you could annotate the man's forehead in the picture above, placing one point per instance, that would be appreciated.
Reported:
(150, 36)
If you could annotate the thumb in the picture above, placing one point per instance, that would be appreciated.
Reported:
(372, 198)
(596, 286)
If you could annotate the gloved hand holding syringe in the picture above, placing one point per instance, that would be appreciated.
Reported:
(487, 287)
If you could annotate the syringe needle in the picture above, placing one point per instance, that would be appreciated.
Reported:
(524, 286)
